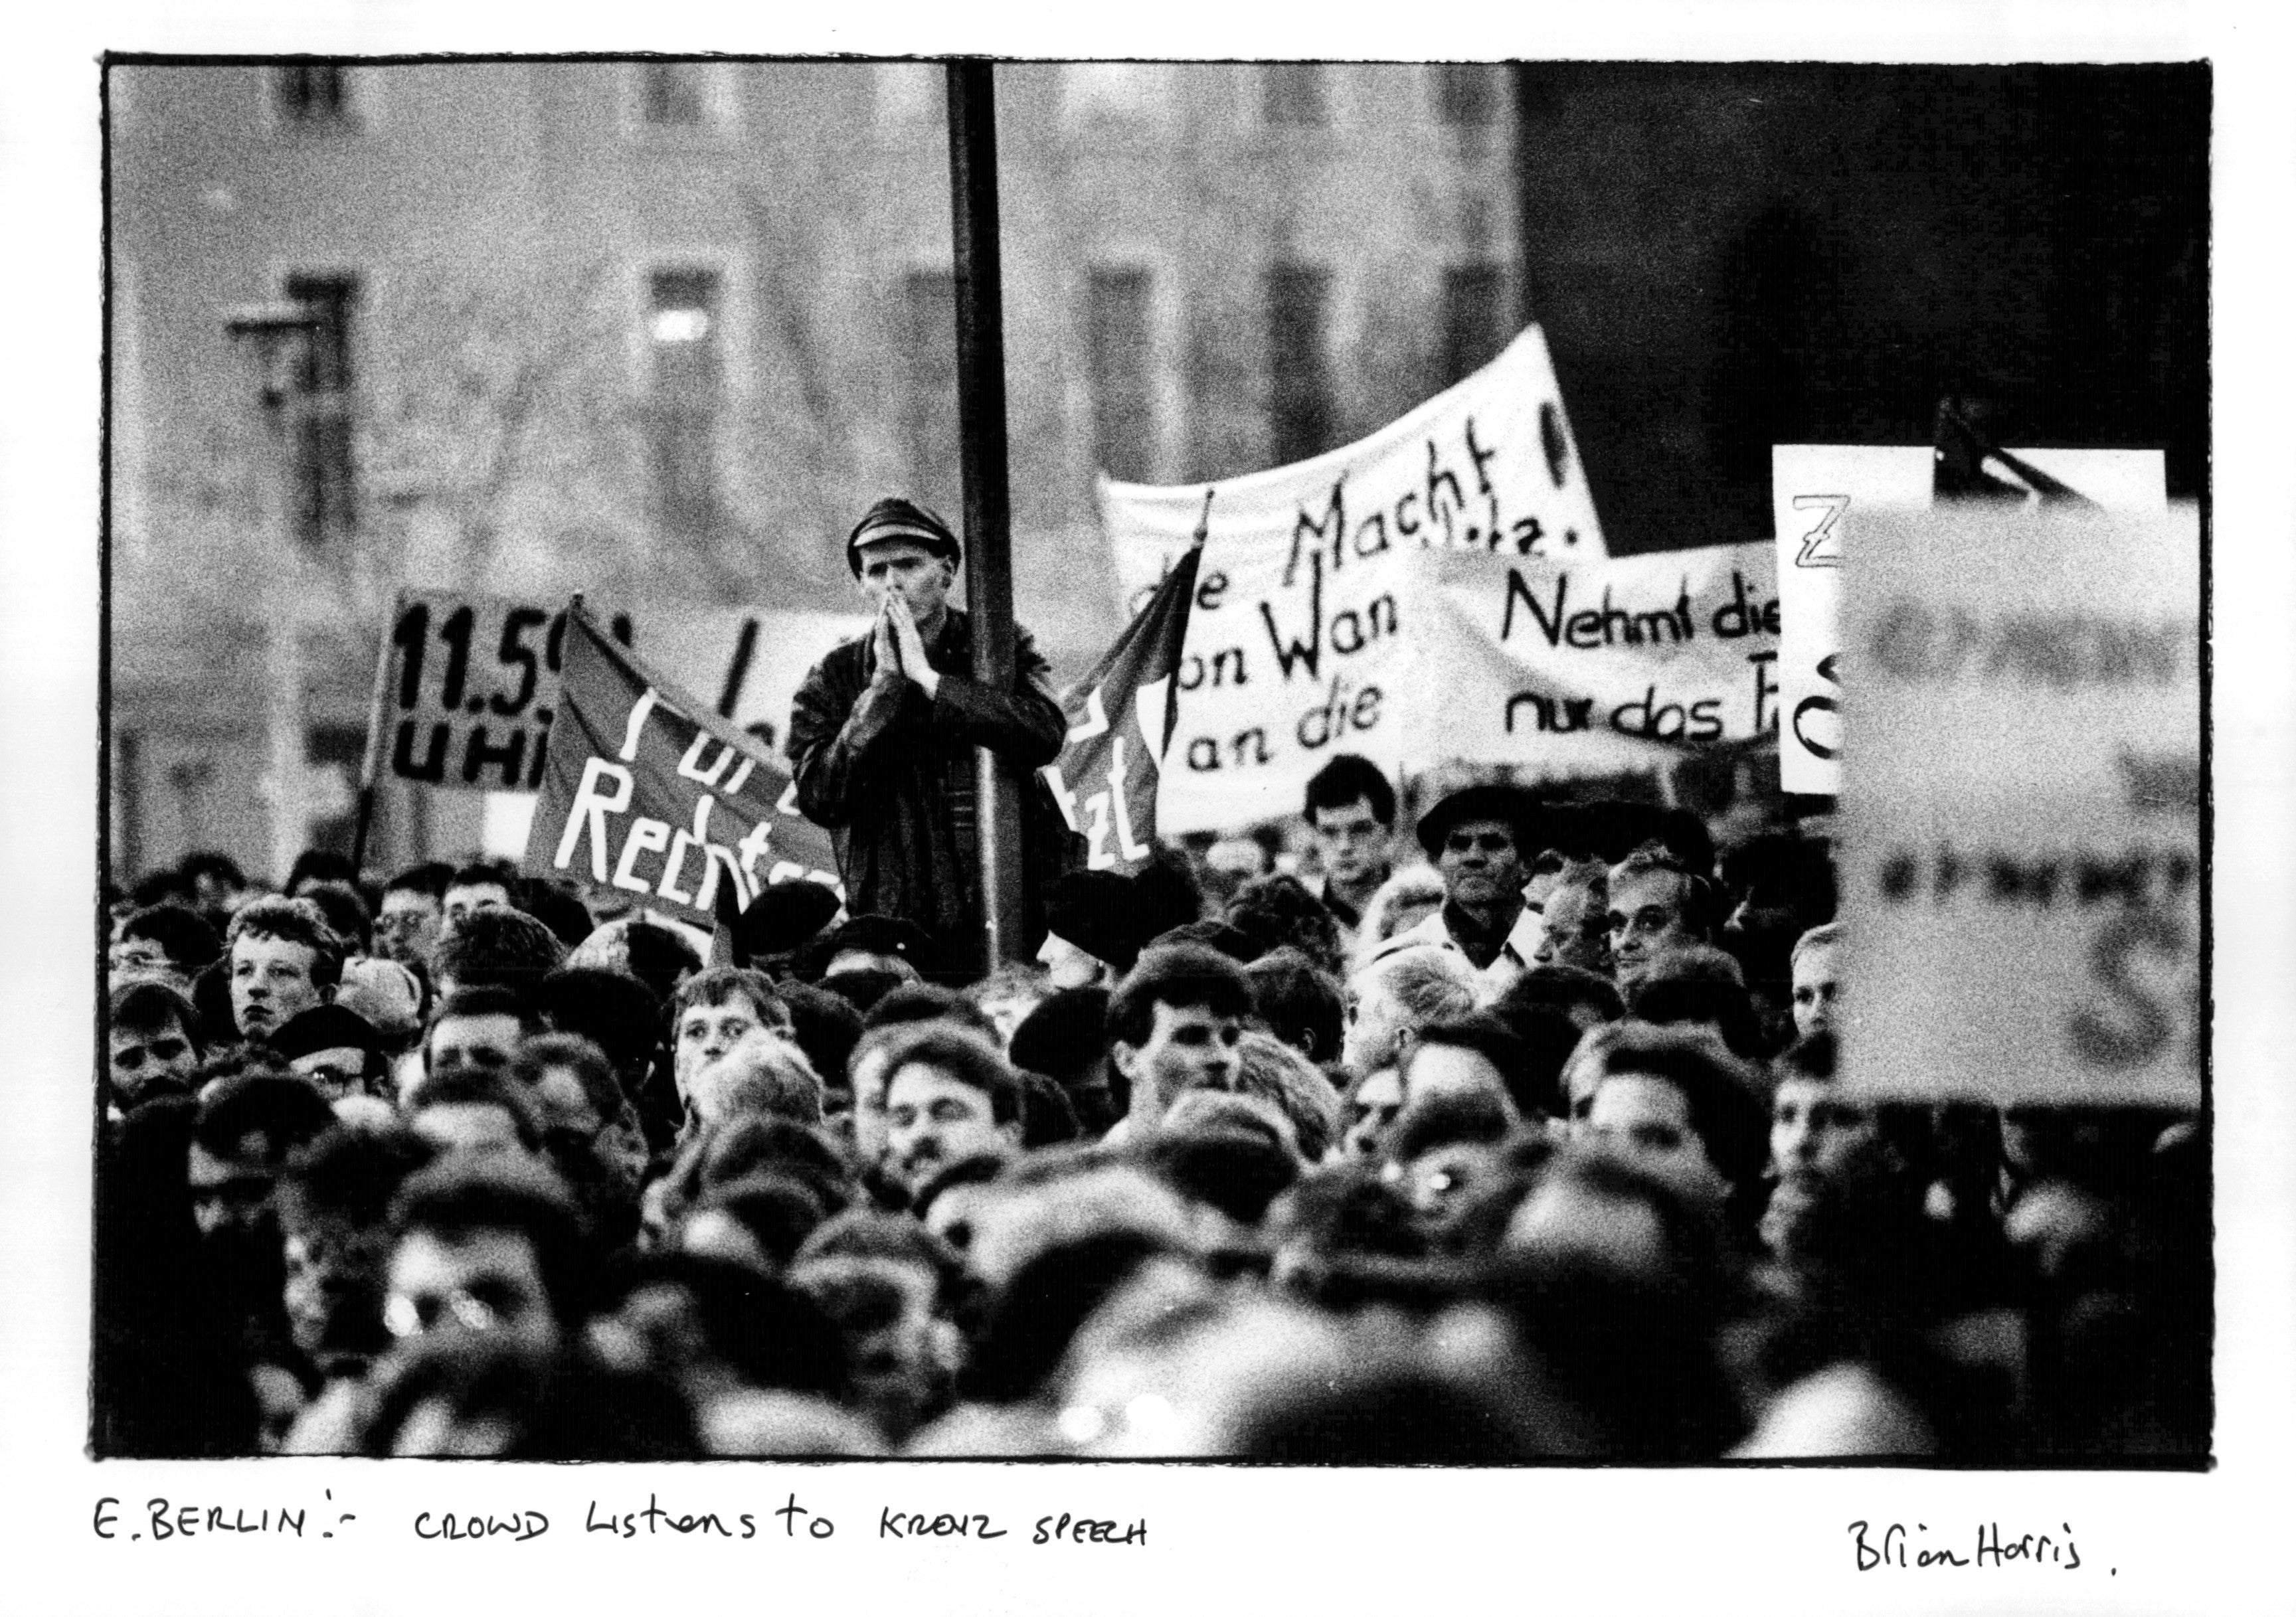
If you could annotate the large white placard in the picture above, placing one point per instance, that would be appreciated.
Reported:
(1301, 635)
(2020, 806)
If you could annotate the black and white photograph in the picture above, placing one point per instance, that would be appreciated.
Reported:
(928, 796)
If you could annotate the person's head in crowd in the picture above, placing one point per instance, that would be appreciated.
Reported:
(1092, 929)
(316, 866)
(167, 941)
(1007, 994)
(334, 1202)
(825, 1027)
(574, 1090)
(1350, 808)
(779, 920)
(863, 989)
(1474, 836)
(346, 912)
(1301, 1003)
(660, 957)
(1230, 1153)
(555, 904)
(476, 1110)
(1278, 912)
(1031, 1317)
(1575, 923)
(473, 1397)
(1065, 1038)
(218, 887)
(1697, 985)
(474, 888)
(946, 1201)
(486, 1243)
(1591, 1205)
(764, 1074)
(1475, 1053)
(1269, 1070)
(928, 1002)
(413, 910)
(247, 1126)
(335, 1049)
(948, 1095)
(388, 995)
(901, 1355)
(1391, 999)
(1818, 980)
(495, 946)
(765, 1143)
(1373, 1102)
(872, 943)
(717, 1009)
(1657, 902)
(1402, 902)
(1233, 860)
(613, 1009)
(1830, 1155)
(758, 1221)
(1047, 1116)
(476, 1030)
(284, 960)
(1174, 1023)
(1587, 998)
(1446, 1150)
(734, 1339)
(1684, 1107)
(152, 1034)
(1545, 1039)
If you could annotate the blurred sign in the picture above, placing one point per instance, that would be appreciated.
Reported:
(2020, 806)
(1813, 488)
(1594, 665)
(1300, 637)
(649, 792)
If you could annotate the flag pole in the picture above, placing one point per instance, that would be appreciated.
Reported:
(371, 762)
(979, 279)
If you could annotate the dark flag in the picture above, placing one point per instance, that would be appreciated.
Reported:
(647, 789)
(1121, 720)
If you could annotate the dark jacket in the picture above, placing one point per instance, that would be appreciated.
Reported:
(893, 781)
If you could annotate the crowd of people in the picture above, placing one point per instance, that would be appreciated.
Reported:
(1285, 1148)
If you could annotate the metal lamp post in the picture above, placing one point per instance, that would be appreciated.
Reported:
(275, 335)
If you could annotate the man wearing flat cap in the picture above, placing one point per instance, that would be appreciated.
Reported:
(882, 733)
(1476, 836)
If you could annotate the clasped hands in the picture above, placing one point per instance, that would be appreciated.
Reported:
(900, 650)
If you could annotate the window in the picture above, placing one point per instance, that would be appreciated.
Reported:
(1476, 320)
(311, 96)
(673, 94)
(1123, 403)
(1294, 92)
(1466, 92)
(1299, 413)
(684, 347)
(324, 490)
(929, 403)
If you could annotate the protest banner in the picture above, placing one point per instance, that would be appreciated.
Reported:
(1813, 487)
(2020, 806)
(649, 790)
(1122, 717)
(1298, 640)
(473, 711)
(1594, 665)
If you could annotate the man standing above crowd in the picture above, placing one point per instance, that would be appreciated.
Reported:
(1351, 810)
(882, 733)
(1475, 837)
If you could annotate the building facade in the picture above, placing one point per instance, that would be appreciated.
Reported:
(659, 331)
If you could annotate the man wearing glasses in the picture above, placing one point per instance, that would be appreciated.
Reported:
(1475, 838)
